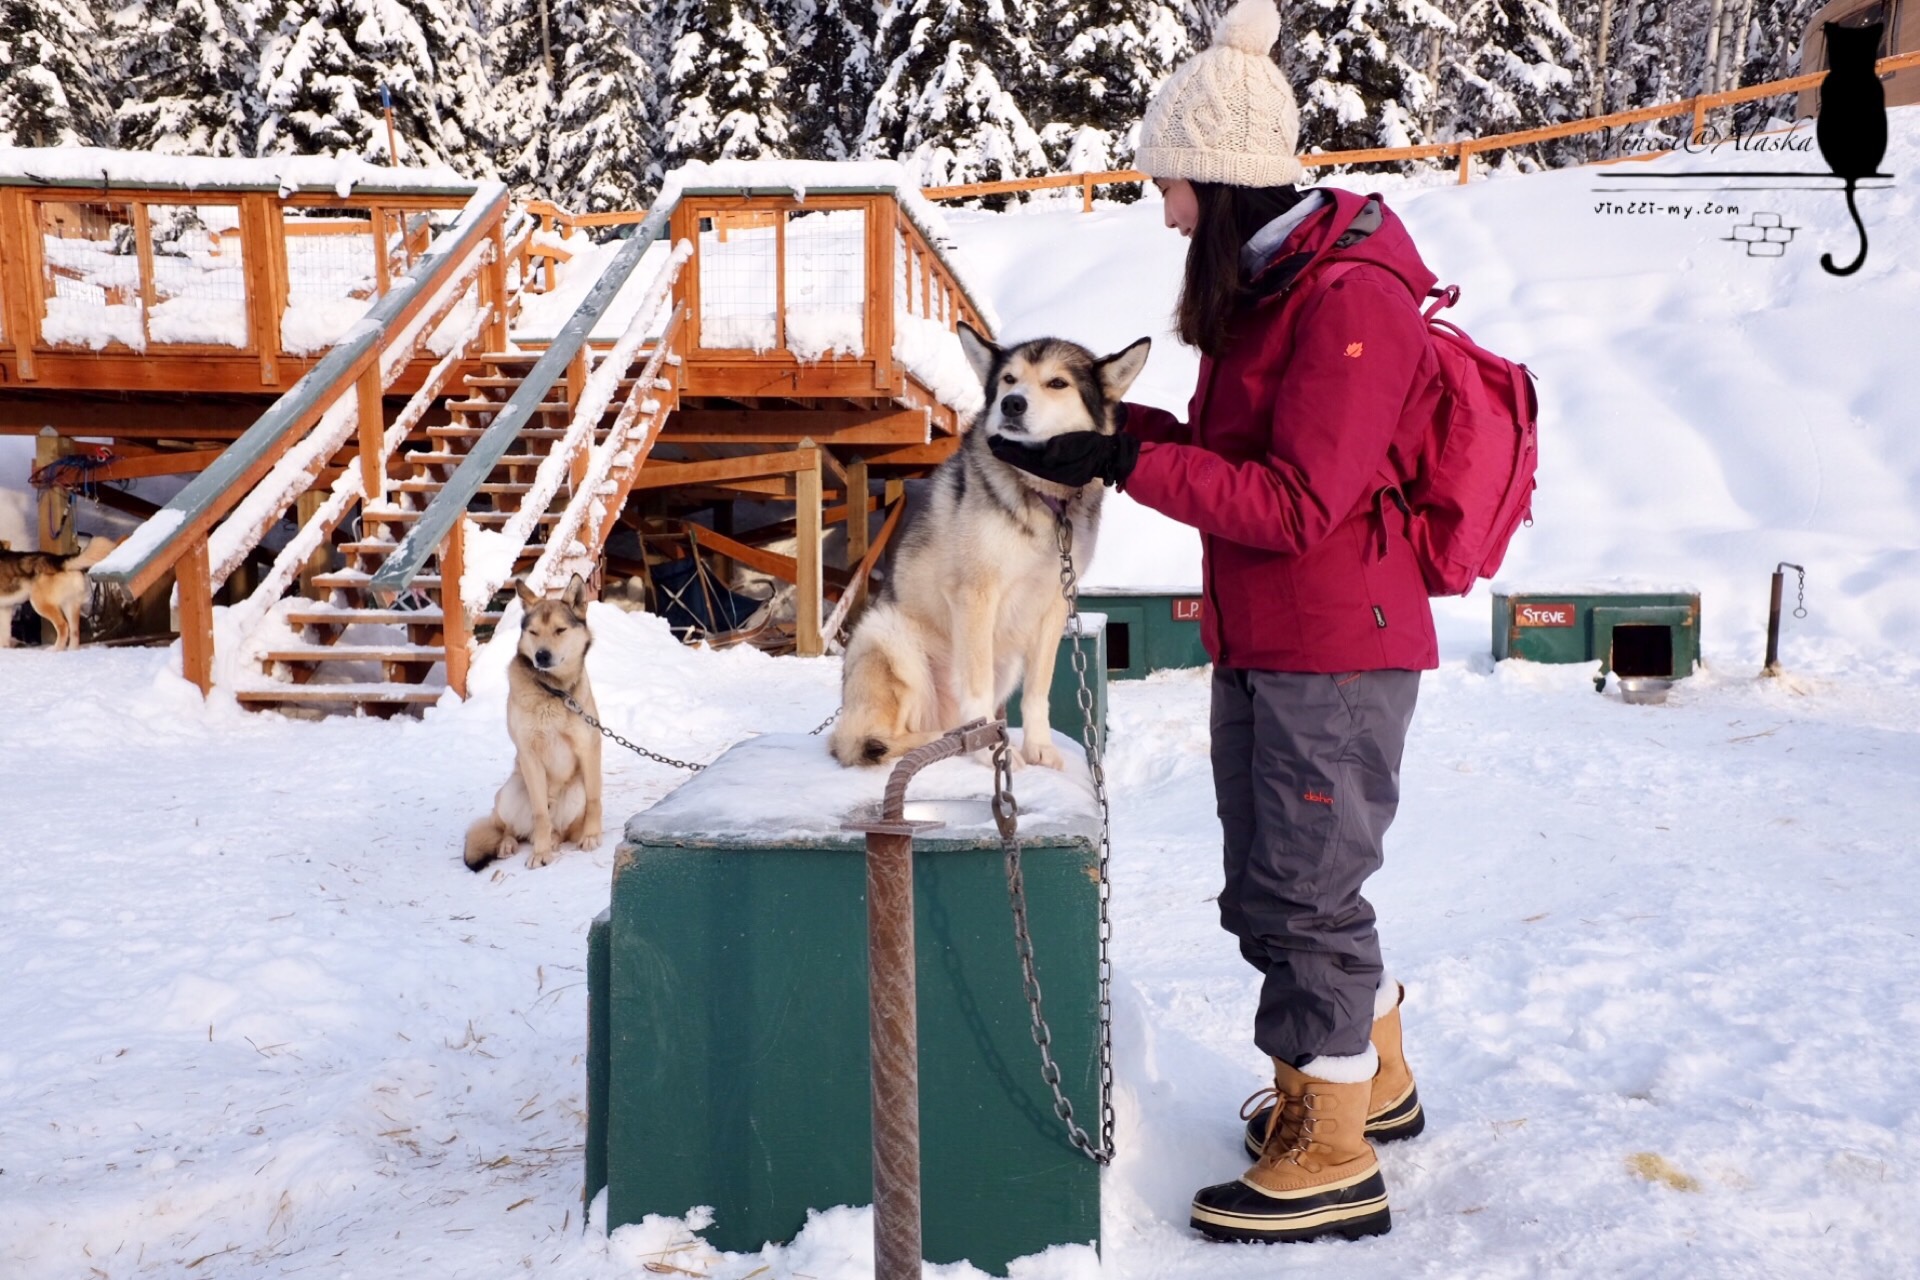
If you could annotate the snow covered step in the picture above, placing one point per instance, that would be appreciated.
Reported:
(319, 617)
(357, 653)
(402, 694)
(455, 459)
(474, 433)
(374, 547)
(435, 486)
(357, 580)
(478, 517)
(495, 406)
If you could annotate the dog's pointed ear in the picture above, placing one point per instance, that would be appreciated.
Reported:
(576, 596)
(525, 592)
(1118, 370)
(980, 353)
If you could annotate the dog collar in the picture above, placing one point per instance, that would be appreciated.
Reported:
(1056, 505)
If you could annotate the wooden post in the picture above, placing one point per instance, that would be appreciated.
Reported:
(857, 522)
(57, 534)
(494, 290)
(780, 280)
(381, 278)
(143, 248)
(1699, 119)
(806, 518)
(1466, 163)
(305, 508)
(883, 224)
(456, 631)
(577, 373)
(194, 579)
(373, 425)
(274, 272)
(1086, 194)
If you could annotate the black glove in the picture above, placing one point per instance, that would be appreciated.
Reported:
(1074, 459)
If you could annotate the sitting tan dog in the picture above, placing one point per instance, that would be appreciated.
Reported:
(554, 792)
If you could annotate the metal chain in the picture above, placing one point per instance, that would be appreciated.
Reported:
(1006, 814)
(1800, 609)
(655, 756)
(637, 749)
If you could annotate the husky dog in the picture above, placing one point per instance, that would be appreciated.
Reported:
(972, 606)
(554, 793)
(56, 587)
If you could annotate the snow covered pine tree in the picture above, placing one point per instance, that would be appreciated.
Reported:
(1112, 55)
(602, 142)
(48, 95)
(187, 67)
(1364, 70)
(726, 75)
(956, 75)
(1519, 67)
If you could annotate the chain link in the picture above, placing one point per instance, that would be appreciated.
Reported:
(1006, 814)
(634, 747)
(1800, 609)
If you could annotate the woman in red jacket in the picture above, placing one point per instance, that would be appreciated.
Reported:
(1304, 306)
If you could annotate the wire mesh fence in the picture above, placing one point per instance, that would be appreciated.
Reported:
(199, 285)
(739, 283)
(90, 274)
(826, 282)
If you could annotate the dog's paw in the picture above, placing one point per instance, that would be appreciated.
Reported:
(589, 839)
(1042, 752)
(541, 855)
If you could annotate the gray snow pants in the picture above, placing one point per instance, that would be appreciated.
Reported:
(1306, 773)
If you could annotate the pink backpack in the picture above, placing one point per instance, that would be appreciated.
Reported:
(1472, 486)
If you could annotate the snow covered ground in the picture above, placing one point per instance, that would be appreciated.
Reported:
(260, 1022)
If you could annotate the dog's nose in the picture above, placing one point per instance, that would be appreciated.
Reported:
(1013, 406)
(542, 658)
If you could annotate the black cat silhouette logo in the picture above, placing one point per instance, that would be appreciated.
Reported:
(1852, 129)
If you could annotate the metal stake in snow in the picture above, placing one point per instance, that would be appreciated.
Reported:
(1772, 668)
(386, 105)
(892, 1015)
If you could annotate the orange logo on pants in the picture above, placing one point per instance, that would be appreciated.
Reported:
(1354, 349)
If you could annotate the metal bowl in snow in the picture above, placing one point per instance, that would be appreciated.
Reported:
(1644, 690)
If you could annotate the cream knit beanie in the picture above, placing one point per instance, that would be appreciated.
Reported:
(1227, 115)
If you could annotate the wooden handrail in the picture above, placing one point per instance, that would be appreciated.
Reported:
(1459, 149)
(450, 504)
(184, 523)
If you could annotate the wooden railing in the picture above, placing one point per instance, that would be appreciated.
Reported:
(354, 371)
(1461, 150)
(212, 288)
(442, 517)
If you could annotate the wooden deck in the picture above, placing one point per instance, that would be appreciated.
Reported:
(776, 377)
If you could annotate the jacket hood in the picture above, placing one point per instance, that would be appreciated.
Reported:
(1388, 245)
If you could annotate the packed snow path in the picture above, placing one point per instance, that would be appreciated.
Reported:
(260, 1015)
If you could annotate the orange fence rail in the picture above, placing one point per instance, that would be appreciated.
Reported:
(1461, 150)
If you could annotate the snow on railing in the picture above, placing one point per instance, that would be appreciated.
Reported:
(236, 537)
(488, 570)
(565, 542)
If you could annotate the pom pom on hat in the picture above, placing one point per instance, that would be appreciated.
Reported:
(1251, 26)
(1227, 115)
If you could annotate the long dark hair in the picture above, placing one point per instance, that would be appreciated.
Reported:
(1214, 287)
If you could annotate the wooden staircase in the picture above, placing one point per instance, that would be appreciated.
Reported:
(382, 655)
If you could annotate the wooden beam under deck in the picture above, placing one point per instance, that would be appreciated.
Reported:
(823, 426)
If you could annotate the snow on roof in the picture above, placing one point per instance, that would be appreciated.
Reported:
(801, 176)
(785, 789)
(103, 167)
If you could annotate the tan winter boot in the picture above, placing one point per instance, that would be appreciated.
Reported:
(1393, 1106)
(1318, 1176)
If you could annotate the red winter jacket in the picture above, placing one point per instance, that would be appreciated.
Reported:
(1283, 454)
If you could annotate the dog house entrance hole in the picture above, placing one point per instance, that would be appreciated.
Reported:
(1643, 650)
(1119, 646)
